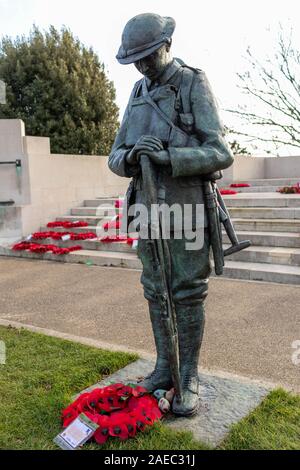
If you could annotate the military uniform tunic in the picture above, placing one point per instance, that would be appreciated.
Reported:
(185, 96)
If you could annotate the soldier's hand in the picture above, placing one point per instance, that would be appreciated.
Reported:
(146, 143)
(161, 157)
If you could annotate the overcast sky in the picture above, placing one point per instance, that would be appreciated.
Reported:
(212, 35)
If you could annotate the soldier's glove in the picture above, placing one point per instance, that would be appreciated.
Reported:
(146, 144)
(159, 158)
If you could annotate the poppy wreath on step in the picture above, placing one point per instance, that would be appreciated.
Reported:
(38, 248)
(119, 410)
(59, 235)
(294, 189)
(225, 192)
(118, 239)
(240, 185)
(66, 224)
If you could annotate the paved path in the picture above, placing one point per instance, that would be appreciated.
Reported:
(250, 325)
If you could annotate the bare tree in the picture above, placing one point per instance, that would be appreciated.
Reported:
(273, 86)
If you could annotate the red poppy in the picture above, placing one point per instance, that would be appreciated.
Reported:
(138, 391)
(93, 417)
(130, 241)
(98, 400)
(36, 248)
(80, 399)
(83, 236)
(21, 246)
(74, 248)
(66, 224)
(113, 224)
(68, 415)
(240, 185)
(124, 392)
(118, 425)
(119, 203)
(112, 239)
(227, 191)
(83, 405)
(145, 406)
(102, 433)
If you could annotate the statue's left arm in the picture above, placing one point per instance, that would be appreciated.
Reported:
(213, 152)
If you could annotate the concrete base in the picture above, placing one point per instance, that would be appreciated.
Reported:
(223, 402)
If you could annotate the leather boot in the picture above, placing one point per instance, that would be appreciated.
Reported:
(190, 324)
(161, 375)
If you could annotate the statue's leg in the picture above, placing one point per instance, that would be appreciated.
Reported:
(190, 324)
(161, 375)
(191, 270)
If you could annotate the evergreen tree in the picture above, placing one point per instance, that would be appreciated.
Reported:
(59, 88)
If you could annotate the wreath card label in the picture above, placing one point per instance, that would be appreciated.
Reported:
(77, 433)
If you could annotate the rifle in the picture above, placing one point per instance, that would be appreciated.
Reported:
(217, 214)
(226, 221)
(162, 268)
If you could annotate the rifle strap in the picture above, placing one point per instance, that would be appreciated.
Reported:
(185, 89)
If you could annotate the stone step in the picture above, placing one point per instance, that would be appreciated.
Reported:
(90, 245)
(101, 210)
(262, 200)
(106, 258)
(254, 189)
(259, 238)
(279, 182)
(100, 201)
(262, 272)
(90, 257)
(267, 254)
(257, 254)
(265, 212)
(107, 200)
(97, 229)
(267, 225)
(273, 239)
(239, 212)
(90, 219)
(245, 198)
(233, 269)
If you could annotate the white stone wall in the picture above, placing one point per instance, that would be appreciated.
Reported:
(260, 167)
(48, 185)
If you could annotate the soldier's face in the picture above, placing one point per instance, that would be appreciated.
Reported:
(154, 64)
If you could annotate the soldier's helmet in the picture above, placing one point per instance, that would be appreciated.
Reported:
(144, 34)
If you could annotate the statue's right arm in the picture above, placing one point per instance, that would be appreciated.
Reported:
(117, 159)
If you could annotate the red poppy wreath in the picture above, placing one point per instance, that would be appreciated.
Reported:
(119, 410)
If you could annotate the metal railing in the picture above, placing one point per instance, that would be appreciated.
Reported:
(17, 162)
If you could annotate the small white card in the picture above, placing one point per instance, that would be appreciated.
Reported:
(135, 244)
(66, 237)
(77, 434)
(29, 237)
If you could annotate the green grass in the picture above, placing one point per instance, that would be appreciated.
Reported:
(42, 374)
(39, 378)
(274, 425)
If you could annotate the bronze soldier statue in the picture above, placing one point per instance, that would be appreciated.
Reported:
(173, 119)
